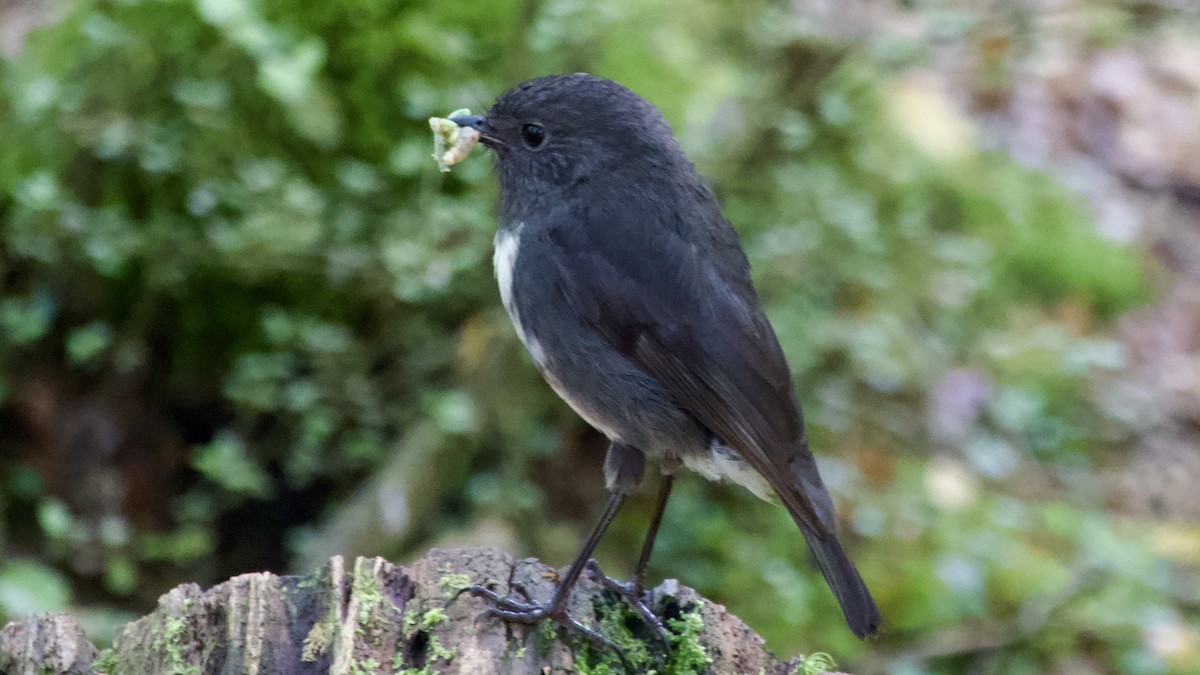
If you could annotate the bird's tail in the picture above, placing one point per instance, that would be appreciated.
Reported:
(804, 495)
(857, 604)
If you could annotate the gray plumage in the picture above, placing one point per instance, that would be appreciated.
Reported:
(632, 293)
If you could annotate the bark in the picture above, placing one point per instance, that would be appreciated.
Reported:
(376, 617)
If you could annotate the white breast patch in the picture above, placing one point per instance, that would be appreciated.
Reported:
(508, 245)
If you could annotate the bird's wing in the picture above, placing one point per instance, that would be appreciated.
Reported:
(655, 297)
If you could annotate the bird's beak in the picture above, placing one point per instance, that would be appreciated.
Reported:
(480, 124)
(474, 121)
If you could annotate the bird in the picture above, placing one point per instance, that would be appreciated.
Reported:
(632, 294)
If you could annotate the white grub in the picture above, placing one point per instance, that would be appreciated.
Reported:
(459, 139)
(467, 138)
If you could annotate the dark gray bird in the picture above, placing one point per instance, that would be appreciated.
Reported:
(632, 294)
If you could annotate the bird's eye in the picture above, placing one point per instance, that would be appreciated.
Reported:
(533, 135)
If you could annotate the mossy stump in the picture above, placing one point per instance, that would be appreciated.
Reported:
(376, 617)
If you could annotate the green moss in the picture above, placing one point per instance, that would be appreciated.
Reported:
(547, 635)
(615, 620)
(410, 621)
(172, 643)
(414, 621)
(369, 596)
(587, 663)
(367, 667)
(106, 662)
(688, 655)
(434, 617)
(320, 636)
(317, 641)
(641, 652)
(453, 583)
(816, 663)
(439, 652)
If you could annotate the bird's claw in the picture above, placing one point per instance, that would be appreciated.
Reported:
(513, 611)
(497, 600)
(632, 594)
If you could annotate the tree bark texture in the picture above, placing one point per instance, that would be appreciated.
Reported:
(376, 617)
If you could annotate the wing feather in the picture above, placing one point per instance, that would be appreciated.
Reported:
(703, 339)
(697, 329)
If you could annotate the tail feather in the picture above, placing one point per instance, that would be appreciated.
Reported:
(804, 495)
(857, 604)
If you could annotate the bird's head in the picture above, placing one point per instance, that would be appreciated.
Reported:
(555, 133)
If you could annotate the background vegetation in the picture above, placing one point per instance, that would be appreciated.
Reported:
(245, 324)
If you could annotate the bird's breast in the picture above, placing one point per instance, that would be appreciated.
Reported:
(506, 259)
(508, 246)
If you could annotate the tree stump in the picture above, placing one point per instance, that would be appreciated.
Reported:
(376, 617)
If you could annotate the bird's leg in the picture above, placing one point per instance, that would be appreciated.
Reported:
(660, 507)
(632, 591)
(509, 609)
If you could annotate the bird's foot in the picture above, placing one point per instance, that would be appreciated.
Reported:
(632, 593)
(514, 611)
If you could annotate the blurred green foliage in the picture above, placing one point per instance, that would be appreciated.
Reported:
(223, 242)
